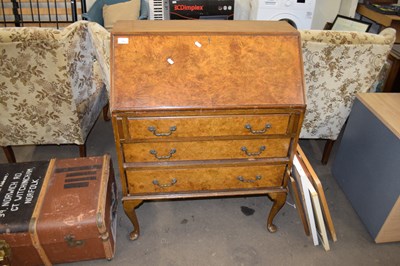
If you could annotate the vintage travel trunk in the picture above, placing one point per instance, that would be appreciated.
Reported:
(57, 211)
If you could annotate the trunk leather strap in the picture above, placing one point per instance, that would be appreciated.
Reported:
(35, 216)
(106, 172)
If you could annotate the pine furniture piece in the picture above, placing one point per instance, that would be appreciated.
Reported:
(367, 161)
(205, 109)
(392, 82)
(383, 20)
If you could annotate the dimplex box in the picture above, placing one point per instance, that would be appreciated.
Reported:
(201, 9)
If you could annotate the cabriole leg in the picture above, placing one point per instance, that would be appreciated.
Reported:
(82, 150)
(327, 151)
(279, 200)
(106, 110)
(129, 208)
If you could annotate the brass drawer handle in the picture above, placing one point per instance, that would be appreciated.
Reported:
(262, 131)
(154, 131)
(154, 152)
(261, 149)
(173, 182)
(241, 179)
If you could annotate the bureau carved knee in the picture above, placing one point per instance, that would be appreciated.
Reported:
(129, 208)
(279, 200)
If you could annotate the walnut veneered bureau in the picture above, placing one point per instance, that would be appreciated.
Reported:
(205, 109)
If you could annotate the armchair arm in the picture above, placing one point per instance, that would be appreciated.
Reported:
(385, 37)
(85, 59)
(100, 40)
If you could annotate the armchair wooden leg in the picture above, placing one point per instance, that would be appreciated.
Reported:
(327, 151)
(106, 110)
(82, 150)
(9, 154)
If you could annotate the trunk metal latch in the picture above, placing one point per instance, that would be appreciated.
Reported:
(72, 242)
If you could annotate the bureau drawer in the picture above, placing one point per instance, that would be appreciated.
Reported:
(177, 127)
(203, 179)
(206, 150)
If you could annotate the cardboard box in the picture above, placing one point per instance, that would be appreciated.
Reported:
(201, 9)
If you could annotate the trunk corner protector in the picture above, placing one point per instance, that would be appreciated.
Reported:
(100, 223)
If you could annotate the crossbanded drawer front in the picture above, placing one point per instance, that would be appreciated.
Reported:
(204, 179)
(178, 127)
(206, 150)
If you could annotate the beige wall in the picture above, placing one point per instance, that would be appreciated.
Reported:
(242, 9)
(325, 11)
(348, 8)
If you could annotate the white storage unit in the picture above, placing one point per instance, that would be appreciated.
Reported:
(299, 13)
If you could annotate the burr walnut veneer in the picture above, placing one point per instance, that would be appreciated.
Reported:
(205, 109)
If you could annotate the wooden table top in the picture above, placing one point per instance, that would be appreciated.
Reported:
(386, 106)
(383, 19)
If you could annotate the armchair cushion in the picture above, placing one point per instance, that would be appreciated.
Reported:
(95, 12)
(122, 11)
(337, 65)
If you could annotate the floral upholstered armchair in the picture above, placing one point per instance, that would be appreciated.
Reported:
(53, 84)
(337, 65)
